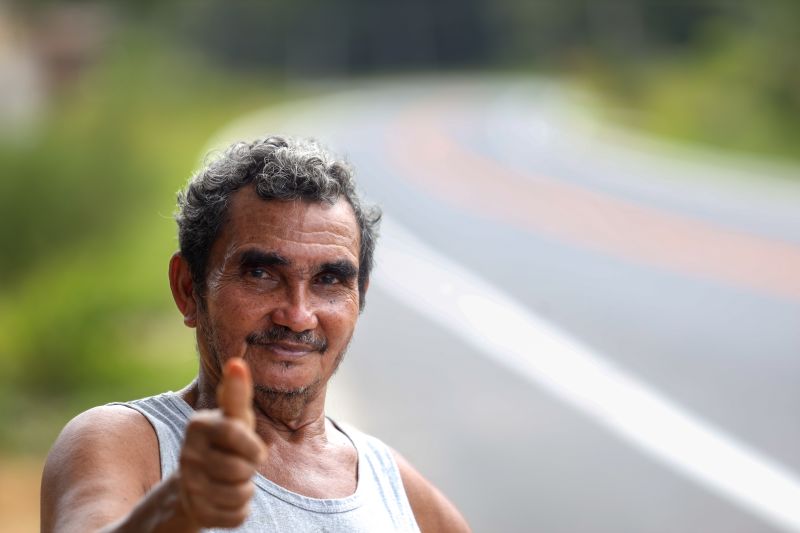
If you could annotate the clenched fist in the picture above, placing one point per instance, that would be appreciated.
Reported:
(221, 453)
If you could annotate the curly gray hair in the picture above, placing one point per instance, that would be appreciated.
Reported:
(280, 168)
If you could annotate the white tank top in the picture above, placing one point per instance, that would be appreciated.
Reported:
(378, 505)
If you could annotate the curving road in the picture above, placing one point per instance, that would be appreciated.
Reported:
(570, 329)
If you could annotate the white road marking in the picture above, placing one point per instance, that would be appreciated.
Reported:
(504, 330)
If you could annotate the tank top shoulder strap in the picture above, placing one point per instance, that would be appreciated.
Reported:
(168, 414)
(382, 475)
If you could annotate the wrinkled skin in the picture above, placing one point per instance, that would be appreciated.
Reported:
(280, 300)
(307, 298)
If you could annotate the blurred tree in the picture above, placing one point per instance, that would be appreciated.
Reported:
(730, 80)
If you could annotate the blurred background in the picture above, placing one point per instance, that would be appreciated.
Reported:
(625, 171)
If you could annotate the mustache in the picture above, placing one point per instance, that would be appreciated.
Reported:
(282, 333)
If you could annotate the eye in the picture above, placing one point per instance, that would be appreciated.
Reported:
(329, 279)
(258, 273)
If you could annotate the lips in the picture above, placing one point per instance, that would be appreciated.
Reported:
(281, 339)
(288, 349)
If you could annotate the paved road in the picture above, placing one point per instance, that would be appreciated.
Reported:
(676, 273)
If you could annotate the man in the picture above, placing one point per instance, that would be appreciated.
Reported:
(274, 263)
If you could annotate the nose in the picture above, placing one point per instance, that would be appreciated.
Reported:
(295, 311)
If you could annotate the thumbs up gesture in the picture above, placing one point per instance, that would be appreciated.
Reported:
(221, 453)
(235, 393)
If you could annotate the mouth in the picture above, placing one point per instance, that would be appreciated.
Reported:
(288, 349)
(286, 344)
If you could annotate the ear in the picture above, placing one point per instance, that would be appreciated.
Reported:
(182, 285)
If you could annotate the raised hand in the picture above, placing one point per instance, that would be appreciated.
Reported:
(235, 393)
(221, 453)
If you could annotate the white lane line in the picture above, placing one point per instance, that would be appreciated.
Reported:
(504, 330)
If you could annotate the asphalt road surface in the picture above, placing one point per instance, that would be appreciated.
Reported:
(570, 329)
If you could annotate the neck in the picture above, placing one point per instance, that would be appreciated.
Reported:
(285, 416)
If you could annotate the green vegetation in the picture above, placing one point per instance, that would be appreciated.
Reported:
(85, 311)
(736, 86)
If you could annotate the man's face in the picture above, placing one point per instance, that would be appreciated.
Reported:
(282, 293)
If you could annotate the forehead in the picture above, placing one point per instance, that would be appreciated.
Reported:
(293, 227)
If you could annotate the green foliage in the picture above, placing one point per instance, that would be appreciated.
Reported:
(85, 310)
(737, 88)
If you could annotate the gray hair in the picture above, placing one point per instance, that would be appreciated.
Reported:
(280, 168)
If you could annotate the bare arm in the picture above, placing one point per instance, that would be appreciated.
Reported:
(103, 463)
(103, 473)
(432, 510)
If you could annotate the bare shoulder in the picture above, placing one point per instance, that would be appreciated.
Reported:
(103, 461)
(104, 431)
(432, 509)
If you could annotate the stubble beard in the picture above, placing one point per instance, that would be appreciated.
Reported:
(289, 404)
(275, 402)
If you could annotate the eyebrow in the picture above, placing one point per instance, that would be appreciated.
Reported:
(261, 258)
(342, 268)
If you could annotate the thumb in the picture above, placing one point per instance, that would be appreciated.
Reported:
(235, 392)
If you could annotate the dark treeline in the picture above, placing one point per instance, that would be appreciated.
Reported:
(362, 36)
